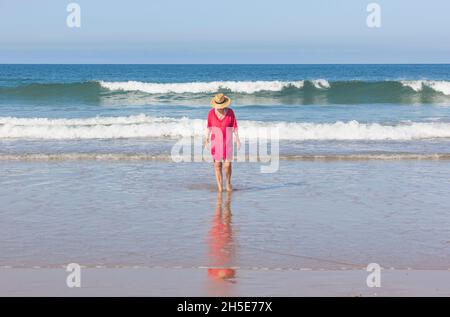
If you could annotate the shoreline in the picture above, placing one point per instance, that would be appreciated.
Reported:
(308, 215)
(124, 157)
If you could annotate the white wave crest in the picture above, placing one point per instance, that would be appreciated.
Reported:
(142, 126)
(321, 83)
(248, 87)
(437, 85)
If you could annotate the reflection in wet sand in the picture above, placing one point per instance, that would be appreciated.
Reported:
(221, 244)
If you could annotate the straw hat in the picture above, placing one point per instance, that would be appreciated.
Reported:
(220, 101)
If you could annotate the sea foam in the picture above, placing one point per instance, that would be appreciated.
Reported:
(251, 87)
(248, 87)
(436, 85)
(143, 126)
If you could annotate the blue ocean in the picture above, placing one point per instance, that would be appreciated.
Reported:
(319, 109)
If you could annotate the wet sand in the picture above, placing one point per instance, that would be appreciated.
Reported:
(197, 282)
(309, 229)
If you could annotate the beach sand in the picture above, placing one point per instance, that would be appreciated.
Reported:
(195, 282)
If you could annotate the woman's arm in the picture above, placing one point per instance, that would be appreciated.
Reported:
(235, 131)
(207, 137)
(208, 130)
(238, 141)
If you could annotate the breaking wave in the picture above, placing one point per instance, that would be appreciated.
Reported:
(143, 126)
(247, 87)
(317, 91)
(251, 87)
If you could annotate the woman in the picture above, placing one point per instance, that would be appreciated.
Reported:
(221, 127)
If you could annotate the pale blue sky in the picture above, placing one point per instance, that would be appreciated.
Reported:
(231, 31)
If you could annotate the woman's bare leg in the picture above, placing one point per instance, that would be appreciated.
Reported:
(228, 175)
(218, 170)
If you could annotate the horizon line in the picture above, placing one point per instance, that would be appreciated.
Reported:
(448, 63)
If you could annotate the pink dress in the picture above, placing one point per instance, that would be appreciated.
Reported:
(222, 134)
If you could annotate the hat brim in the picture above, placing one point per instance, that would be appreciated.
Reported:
(220, 105)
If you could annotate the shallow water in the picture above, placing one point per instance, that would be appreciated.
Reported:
(307, 215)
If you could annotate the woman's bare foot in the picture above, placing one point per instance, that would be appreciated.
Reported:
(228, 176)
(219, 188)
